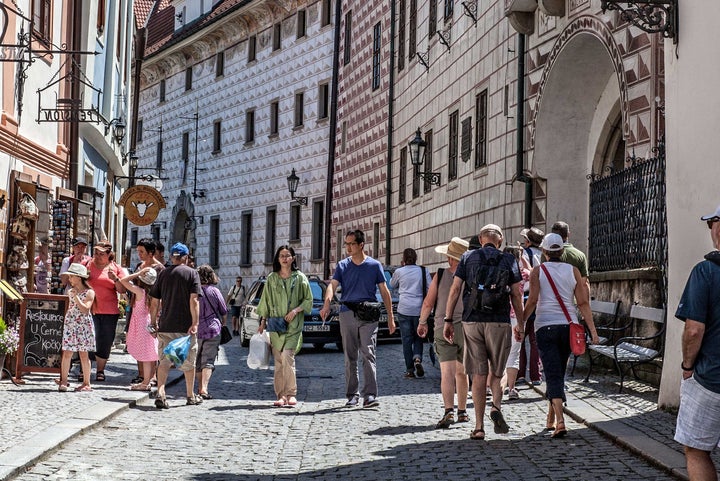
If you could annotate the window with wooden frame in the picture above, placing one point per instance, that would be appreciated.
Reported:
(401, 34)
(323, 101)
(481, 129)
(377, 40)
(249, 126)
(402, 177)
(42, 20)
(252, 48)
(432, 19)
(220, 64)
(277, 36)
(412, 30)
(274, 117)
(301, 23)
(217, 136)
(348, 33)
(299, 109)
(453, 145)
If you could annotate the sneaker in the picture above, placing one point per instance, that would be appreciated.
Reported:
(353, 401)
(409, 375)
(446, 421)
(371, 402)
(513, 394)
(536, 383)
(419, 371)
(194, 400)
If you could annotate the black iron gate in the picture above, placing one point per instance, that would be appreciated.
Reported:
(628, 226)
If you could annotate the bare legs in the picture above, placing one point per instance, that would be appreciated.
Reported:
(699, 465)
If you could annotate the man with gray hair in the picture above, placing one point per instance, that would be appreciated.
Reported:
(491, 281)
(571, 254)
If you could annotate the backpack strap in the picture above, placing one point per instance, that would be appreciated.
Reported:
(438, 275)
(424, 281)
(531, 256)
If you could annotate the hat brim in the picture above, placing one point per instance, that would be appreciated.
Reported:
(443, 249)
(66, 273)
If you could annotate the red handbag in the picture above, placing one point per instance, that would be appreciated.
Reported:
(577, 331)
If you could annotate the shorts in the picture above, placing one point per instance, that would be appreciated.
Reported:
(207, 353)
(698, 421)
(446, 351)
(486, 342)
(164, 339)
(234, 311)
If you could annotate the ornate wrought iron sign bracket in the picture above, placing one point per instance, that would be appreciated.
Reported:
(652, 16)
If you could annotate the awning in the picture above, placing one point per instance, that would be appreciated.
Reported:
(10, 291)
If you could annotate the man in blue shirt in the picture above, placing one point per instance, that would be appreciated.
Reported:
(698, 422)
(486, 331)
(359, 275)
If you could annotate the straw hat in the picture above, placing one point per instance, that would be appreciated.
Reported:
(77, 269)
(454, 249)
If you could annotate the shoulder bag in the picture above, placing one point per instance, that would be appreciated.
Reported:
(225, 335)
(577, 331)
(278, 324)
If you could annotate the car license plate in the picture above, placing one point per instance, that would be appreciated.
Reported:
(320, 328)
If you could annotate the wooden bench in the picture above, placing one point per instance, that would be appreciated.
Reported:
(632, 351)
(610, 312)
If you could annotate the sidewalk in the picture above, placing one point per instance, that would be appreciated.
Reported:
(36, 419)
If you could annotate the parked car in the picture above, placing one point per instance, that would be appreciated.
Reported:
(314, 332)
(383, 329)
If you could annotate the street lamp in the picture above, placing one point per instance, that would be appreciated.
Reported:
(417, 156)
(293, 180)
(118, 125)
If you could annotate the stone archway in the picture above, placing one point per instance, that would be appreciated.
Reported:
(182, 229)
(581, 93)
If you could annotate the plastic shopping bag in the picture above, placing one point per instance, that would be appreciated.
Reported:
(177, 350)
(259, 355)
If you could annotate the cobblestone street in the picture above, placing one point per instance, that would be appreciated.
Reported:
(238, 435)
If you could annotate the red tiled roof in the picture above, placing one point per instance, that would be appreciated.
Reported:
(161, 25)
(141, 9)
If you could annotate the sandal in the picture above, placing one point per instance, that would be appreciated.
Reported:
(499, 424)
(560, 430)
(550, 422)
(446, 421)
(280, 403)
(463, 417)
(139, 387)
(100, 376)
(83, 388)
(58, 382)
(161, 403)
(194, 400)
(291, 401)
(478, 434)
(205, 395)
(137, 380)
(62, 387)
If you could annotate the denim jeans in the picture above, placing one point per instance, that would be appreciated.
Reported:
(554, 346)
(411, 342)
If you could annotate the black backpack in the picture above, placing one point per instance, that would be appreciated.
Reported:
(490, 291)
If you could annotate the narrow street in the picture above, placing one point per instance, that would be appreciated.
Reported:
(238, 435)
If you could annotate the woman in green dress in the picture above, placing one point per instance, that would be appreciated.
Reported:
(285, 300)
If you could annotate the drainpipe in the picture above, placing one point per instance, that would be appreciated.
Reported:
(332, 140)
(76, 43)
(391, 100)
(520, 135)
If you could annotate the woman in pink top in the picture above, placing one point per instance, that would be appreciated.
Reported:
(105, 277)
(141, 345)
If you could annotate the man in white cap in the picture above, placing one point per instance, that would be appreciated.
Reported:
(452, 372)
(698, 421)
(492, 280)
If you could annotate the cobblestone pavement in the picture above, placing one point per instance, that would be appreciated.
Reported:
(238, 435)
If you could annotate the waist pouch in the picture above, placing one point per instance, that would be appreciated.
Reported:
(365, 311)
(276, 324)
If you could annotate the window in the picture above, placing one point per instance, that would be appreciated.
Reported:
(432, 18)
(323, 101)
(339, 239)
(412, 30)
(318, 216)
(376, 240)
(403, 176)
(377, 38)
(453, 146)
(274, 117)
(277, 36)
(155, 232)
(246, 238)
(325, 14)
(133, 237)
(295, 222)
(270, 223)
(100, 21)
(428, 164)
(217, 140)
(466, 143)
(343, 139)
(162, 90)
(252, 48)
(159, 156)
(214, 247)
(185, 154)
(449, 5)
(416, 180)
(188, 79)
(506, 100)
(348, 30)
(249, 126)
(41, 11)
(220, 64)
(299, 109)
(481, 129)
(401, 35)
(301, 23)
(139, 131)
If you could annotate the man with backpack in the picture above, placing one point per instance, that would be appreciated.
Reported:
(492, 281)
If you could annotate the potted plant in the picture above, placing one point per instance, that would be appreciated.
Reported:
(9, 341)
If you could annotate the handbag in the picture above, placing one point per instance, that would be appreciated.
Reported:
(20, 228)
(276, 324)
(225, 335)
(28, 207)
(577, 331)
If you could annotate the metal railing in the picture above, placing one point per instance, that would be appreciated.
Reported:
(628, 227)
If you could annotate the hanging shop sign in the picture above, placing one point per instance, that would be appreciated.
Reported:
(13, 52)
(54, 109)
(142, 204)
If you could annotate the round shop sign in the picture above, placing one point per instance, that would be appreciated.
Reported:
(142, 204)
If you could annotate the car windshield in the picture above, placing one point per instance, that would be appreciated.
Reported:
(258, 293)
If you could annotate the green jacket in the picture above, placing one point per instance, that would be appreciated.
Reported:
(274, 303)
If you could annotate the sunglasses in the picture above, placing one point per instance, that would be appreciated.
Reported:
(710, 222)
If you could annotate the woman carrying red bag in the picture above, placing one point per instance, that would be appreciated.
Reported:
(553, 285)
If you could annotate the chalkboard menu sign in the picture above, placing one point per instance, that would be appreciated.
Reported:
(41, 328)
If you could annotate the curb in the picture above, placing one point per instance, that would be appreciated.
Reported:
(634, 440)
(15, 460)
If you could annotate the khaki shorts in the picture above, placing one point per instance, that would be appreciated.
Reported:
(486, 342)
(164, 339)
(446, 351)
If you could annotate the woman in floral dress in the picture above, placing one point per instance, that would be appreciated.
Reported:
(78, 330)
(141, 345)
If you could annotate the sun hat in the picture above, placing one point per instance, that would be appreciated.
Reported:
(454, 249)
(149, 277)
(103, 246)
(534, 235)
(179, 250)
(552, 243)
(77, 269)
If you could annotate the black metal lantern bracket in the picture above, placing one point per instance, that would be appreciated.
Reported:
(417, 155)
(652, 16)
(292, 181)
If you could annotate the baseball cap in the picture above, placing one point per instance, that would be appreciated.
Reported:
(552, 243)
(715, 215)
(491, 227)
(149, 277)
(179, 250)
(79, 240)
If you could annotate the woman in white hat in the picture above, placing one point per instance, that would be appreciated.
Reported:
(452, 371)
(78, 329)
(141, 344)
